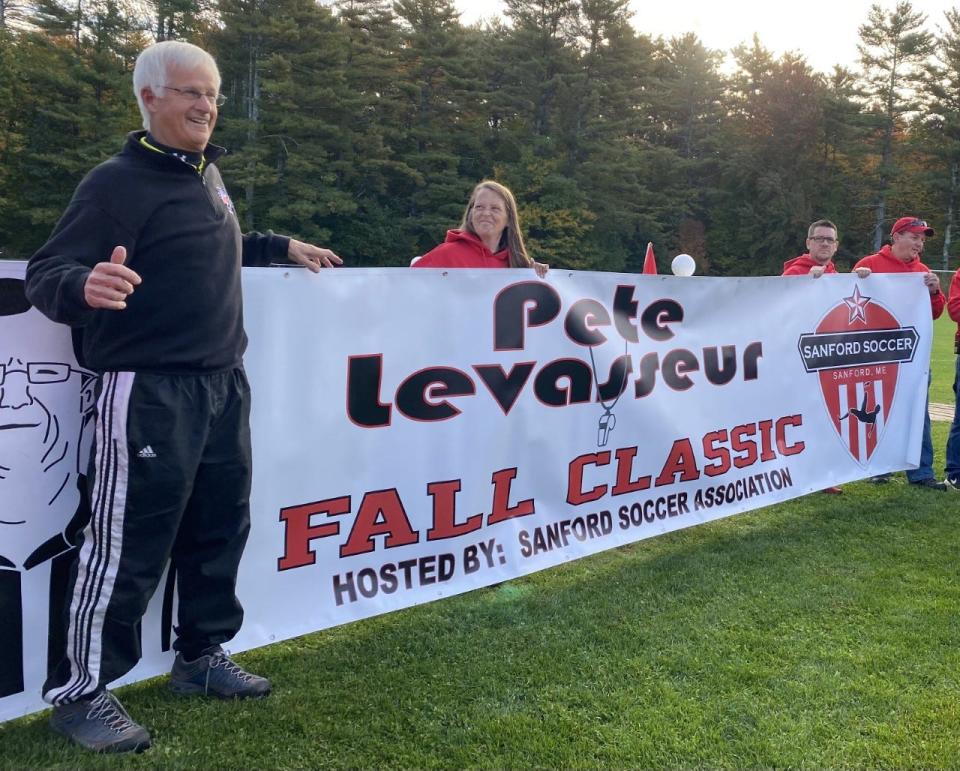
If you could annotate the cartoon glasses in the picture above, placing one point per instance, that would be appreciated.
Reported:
(38, 372)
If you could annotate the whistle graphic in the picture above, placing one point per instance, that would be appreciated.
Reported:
(607, 422)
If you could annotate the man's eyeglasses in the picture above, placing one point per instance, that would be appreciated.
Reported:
(917, 224)
(193, 95)
(823, 239)
(39, 372)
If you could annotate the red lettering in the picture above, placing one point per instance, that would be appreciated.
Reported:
(575, 492)
(747, 446)
(782, 446)
(298, 532)
(624, 484)
(502, 510)
(381, 513)
(766, 445)
(445, 510)
(720, 454)
(682, 461)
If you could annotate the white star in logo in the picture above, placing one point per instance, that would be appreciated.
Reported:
(857, 303)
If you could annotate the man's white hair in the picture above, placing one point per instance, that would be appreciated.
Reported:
(155, 62)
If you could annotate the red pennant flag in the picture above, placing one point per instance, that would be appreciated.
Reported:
(649, 262)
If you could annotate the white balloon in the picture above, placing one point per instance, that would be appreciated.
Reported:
(683, 265)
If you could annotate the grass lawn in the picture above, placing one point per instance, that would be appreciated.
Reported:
(942, 360)
(819, 633)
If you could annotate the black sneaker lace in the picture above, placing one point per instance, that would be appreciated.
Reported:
(107, 710)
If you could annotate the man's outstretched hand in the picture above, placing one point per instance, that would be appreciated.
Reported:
(110, 282)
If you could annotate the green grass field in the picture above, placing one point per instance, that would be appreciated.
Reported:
(821, 633)
(943, 360)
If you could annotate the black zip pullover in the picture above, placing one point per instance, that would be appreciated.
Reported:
(183, 239)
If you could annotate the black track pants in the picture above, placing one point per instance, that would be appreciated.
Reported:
(169, 478)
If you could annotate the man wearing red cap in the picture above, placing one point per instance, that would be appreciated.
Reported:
(902, 255)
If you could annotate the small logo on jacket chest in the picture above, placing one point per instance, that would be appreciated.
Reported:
(225, 197)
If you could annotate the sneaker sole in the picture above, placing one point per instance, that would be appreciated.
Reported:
(938, 487)
(119, 747)
(191, 689)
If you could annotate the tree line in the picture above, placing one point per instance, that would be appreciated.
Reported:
(365, 124)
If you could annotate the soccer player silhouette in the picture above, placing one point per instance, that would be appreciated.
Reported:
(862, 414)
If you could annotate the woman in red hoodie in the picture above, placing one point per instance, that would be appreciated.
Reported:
(488, 237)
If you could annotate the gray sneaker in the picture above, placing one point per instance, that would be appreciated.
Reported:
(100, 724)
(216, 674)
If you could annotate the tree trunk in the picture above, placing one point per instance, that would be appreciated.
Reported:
(77, 29)
(253, 115)
(951, 205)
(880, 213)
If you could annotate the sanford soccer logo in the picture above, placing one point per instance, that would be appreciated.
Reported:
(856, 352)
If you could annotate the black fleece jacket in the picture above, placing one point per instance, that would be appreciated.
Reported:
(183, 239)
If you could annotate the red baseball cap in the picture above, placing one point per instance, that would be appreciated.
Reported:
(911, 225)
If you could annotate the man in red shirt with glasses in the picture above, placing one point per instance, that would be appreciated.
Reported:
(902, 255)
(822, 244)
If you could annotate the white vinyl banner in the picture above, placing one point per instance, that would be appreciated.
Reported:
(421, 433)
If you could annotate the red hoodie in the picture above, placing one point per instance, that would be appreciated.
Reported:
(800, 266)
(953, 303)
(463, 250)
(884, 262)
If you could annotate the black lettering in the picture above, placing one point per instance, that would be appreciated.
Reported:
(505, 387)
(364, 407)
(546, 388)
(676, 365)
(625, 312)
(720, 370)
(581, 322)
(643, 385)
(528, 303)
(657, 315)
(433, 383)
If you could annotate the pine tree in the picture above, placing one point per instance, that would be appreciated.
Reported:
(14, 15)
(444, 127)
(182, 19)
(771, 160)
(542, 59)
(939, 128)
(10, 138)
(603, 126)
(844, 193)
(368, 164)
(72, 109)
(893, 50)
(273, 57)
(685, 119)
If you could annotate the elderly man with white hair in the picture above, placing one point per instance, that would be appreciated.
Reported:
(145, 266)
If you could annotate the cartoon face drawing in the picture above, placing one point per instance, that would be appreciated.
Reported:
(44, 400)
